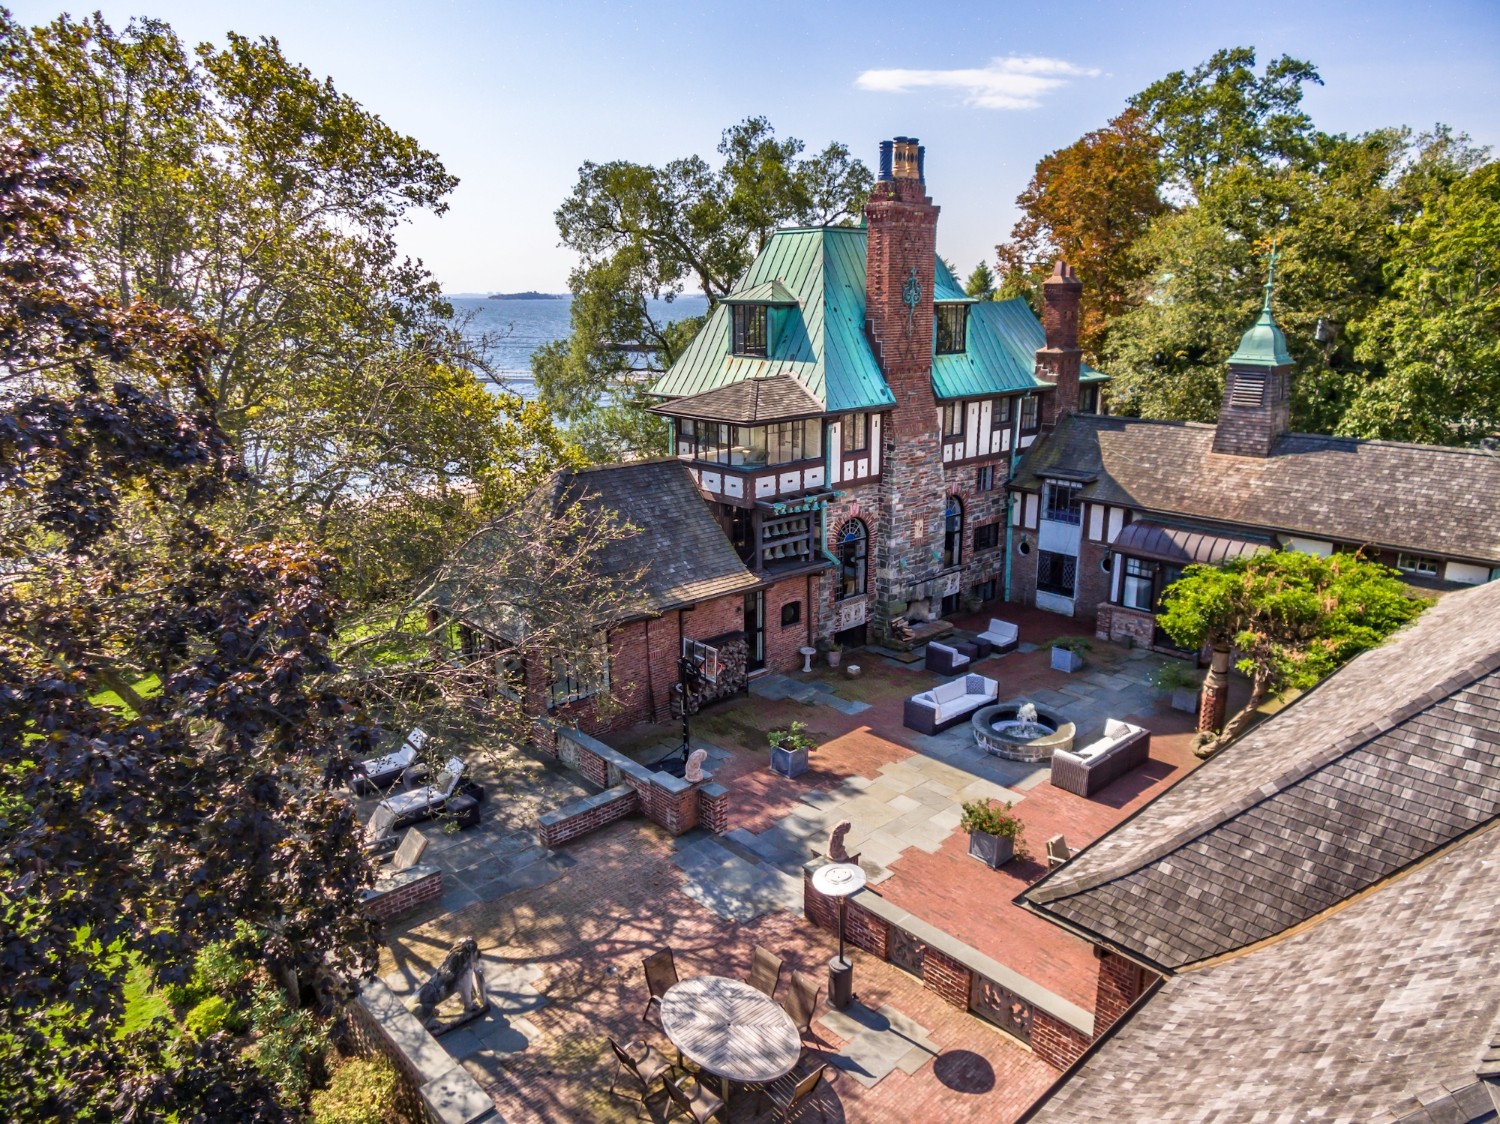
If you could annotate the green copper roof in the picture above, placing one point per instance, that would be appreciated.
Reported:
(768, 292)
(822, 340)
(945, 287)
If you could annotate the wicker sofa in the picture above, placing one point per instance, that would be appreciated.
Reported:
(1085, 771)
(949, 703)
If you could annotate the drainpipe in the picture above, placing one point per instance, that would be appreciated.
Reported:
(1015, 450)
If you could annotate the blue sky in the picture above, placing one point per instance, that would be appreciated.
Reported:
(514, 96)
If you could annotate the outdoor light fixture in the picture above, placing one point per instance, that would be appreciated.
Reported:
(839, 880)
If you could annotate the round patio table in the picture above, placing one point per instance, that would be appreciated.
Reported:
(731, 1030)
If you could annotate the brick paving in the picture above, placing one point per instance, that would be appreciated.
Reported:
(587, 932)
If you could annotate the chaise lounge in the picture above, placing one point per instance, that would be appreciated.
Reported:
(443, 794)
(1085, 771)
(948, 704)
(376, 774)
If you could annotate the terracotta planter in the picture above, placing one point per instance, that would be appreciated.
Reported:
(788, 762)
(992, 850)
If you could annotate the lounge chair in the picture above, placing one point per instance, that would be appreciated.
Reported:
(944, 659)
(1002, 635)
(699, 1103)
(430, 800)
(376, 774)
(765, 972)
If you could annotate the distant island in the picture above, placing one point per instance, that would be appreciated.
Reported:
(529, 295)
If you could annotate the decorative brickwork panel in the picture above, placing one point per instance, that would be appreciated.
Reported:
(1000, 1006)
(906, 952)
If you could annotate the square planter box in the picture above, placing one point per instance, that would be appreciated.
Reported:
(992, 850)
(1064, 659)
(788, 762)
(1185, 699)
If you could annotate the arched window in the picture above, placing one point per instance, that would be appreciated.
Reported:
(953, 532)
(853, 548)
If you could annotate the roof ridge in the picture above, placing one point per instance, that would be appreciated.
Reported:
(1464, 450)
(1453, 684)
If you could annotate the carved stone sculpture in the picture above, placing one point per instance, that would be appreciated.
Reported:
(695, 765)
(458, 973)
(836, 849)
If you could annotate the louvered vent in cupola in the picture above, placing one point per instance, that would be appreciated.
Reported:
(1249, 389)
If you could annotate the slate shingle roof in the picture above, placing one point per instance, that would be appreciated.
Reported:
(680, 551)
(1384, 762)
(1385, 1011)
(754, 401)
(1421, 498)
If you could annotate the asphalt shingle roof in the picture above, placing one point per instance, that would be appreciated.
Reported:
(1419, 498)
(752, 402)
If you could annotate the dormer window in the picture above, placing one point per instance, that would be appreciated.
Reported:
(951, 322)
(749, 329)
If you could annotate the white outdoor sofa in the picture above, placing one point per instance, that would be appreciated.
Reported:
(949, 703)
(379, 773)
(1085, 771)
(1002, 635)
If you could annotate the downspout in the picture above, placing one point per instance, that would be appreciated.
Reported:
(1015, 449)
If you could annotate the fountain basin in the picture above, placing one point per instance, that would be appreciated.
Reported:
(996, 731)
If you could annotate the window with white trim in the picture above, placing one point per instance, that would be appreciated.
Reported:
(1418, 564)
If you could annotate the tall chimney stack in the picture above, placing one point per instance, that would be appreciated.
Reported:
(1060, 361)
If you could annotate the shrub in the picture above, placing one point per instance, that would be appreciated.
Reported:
(289, 1044)
(793, 737)
(208, 1017)
(1079, 644)
(978, 815)
(1172, 676)
(363, 1091)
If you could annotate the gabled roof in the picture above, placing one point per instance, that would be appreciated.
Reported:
(752, 402)
(1383, 1012)
(1384, 763)
(1420, 498)
(822, 341)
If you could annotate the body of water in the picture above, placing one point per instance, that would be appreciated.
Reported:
(525, 325)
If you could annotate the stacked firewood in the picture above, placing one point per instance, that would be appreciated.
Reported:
(901, 630)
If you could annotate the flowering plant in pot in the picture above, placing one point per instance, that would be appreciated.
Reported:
(995, 836)
(789, 749)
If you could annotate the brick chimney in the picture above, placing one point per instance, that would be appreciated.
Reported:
(1258, 390)
(901, 248)
(1059, 362)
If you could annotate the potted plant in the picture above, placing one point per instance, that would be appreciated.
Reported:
(995, 836)
(1067, 653)
(789, 749)
(1181, 683)
(835, 653)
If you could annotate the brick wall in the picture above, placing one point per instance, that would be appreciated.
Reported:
(713, 808)
(782, 642)
(1121, 983)
(1249, 431)
(1118, 623)
(586, 815)
(406, 898)
(1055, 1042)
(947, 977)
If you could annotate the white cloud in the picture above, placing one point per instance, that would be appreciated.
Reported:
(1013, 82)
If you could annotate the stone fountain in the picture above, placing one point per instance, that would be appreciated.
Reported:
(1021, 731)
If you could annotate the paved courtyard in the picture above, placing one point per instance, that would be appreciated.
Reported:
(563, 933)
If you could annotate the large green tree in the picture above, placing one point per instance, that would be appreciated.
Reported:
(645, 232)
(1292, 618)
(138, 829)
(232, 184)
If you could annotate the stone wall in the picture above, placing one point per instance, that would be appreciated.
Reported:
(433, 1086)
(404, 892)
(1056, 1030)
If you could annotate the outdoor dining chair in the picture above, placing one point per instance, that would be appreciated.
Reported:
(802, 1002)
(765, 972)
(643, 1061)
(661, 974)
(697, 1101)
(790, 1095)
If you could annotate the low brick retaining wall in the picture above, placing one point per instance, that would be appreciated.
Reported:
(588, 814)
(670, 802)
(403, 892)
(434, 1087)
(1057, 1030)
